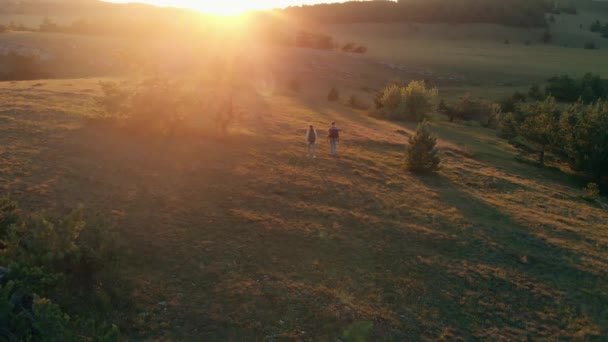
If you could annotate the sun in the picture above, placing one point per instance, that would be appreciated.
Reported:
(222, 7)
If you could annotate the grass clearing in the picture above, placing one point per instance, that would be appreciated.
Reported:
(246, 238)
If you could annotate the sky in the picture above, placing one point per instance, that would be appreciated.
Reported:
(229, 6)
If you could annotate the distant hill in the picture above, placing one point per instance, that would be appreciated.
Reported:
(522, 13)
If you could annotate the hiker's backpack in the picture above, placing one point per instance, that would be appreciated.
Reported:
(312, 137)
(334, 133)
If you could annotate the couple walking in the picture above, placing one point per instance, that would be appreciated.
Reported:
(333, 136)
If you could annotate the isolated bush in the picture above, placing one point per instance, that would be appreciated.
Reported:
(590, 46)
(360, 49)
(421, 155)
(506, 42)
(349, 47)
(591, 192)
(333, 95)
(305, 39)
(527, 43)
(411, 103)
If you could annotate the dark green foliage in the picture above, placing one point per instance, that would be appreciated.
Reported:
(525, 13)
(469, 109)
(511, 103)
(551, 18)
(47, 255)
(506, 42)
(540, 126)
(589, 88)
(546, 37)
(536, 94)
(598, 27)
(576, 135)
(585, 138)
(590, 46)
(333, 95)
(421, 155)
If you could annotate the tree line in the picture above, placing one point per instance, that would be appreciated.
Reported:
(522, 13)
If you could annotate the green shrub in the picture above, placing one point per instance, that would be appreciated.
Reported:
(590, 46)
(421, 155)
(46, 256)
(413, 102)
(469, 109)
(591, 192)
(333, 95)
(541, 126)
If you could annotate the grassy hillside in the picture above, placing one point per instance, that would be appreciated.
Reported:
(477, 53)
(243, 237)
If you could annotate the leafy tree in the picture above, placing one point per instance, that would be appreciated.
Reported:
(411, 103)
(563, 88)
(585, 139)
(541, 126)
(418, 100)
(535, 93)
(469, 109)
(421, 155)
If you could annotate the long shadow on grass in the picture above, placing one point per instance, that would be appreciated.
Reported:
(495, 240)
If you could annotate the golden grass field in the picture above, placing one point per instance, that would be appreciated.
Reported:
(241, 237)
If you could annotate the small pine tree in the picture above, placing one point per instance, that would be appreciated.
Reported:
(421, 156)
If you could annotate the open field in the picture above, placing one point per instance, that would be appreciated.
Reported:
(243, 237)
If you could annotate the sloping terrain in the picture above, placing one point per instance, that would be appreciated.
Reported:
(243, 237)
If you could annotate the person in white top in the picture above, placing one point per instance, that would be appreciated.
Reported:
(311, 140)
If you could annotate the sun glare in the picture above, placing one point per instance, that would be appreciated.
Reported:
(223, 7)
